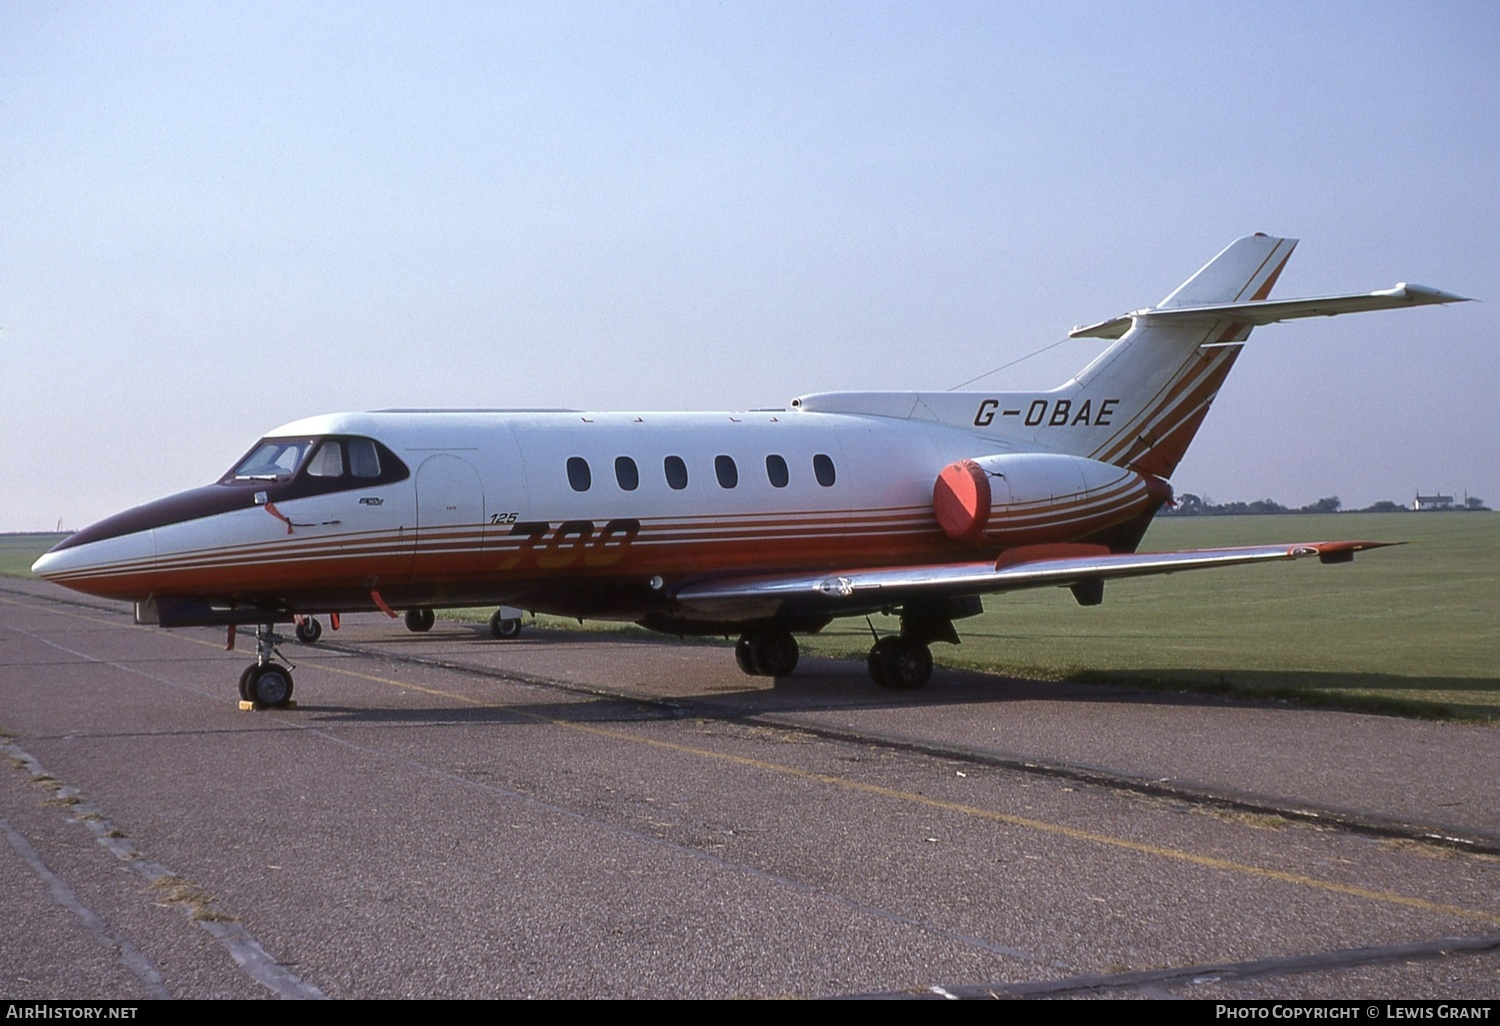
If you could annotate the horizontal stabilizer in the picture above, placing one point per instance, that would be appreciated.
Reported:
(1271, 311)
(848, 591)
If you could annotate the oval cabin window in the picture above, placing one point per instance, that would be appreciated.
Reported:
(776, 471)
(728, 473)
(578, 473)
(676, 472)
(823, 470)
(626, 473)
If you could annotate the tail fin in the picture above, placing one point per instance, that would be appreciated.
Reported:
(1243, 272)
(1140, 403)
(1160, 378)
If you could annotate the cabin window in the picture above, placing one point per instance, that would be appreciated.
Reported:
(578, 473)
(328, 461)
(364, 458)
(776, 471)
(626, 473)
(823, 470)
(728, 473)
(676, 472)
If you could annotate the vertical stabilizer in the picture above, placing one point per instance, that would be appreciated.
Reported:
(1160, 378)
(1244, 271)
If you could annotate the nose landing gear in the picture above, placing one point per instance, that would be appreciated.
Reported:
(266, 684)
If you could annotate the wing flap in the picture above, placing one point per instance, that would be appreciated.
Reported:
(843, 592)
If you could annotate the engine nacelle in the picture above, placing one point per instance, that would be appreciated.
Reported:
(1029, 498)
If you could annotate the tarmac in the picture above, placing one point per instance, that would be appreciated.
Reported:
(596, 815)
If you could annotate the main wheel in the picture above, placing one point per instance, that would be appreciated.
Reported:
(309, 630)
(505, 627)
(743, 657)
(420, 620)
(774, 653)
(270, 685)
(879, 653)
(907, 665)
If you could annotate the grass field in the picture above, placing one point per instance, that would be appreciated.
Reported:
(1413, 630)
(19, 551)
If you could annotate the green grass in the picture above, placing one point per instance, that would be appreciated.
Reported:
(19, 551)
(1413, 630)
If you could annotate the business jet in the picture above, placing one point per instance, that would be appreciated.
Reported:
(763, 524)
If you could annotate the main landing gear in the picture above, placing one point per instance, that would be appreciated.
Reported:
(901, 662)
(265, 683)
(767, 653)
(420, 620)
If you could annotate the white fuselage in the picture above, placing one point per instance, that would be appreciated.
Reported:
(496, 508)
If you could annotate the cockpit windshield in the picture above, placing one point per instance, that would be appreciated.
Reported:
(311, 466)
(273, 460)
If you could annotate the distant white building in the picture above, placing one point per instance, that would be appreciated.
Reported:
(1422, 502)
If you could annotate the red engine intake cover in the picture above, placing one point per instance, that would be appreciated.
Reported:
(961, 499)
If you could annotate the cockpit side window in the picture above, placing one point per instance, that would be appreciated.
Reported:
(364, 458)
(328, 461)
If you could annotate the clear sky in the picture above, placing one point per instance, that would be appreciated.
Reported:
(219, 217)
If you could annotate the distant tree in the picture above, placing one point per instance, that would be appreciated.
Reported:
(1189, 505)
(1474, 502)
(1328, 505)
(1384, 506)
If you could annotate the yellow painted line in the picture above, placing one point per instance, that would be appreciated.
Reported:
(991, 815)
(911, 798)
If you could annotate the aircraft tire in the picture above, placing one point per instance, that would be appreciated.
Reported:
(245, 693)
(505, 628)
(270, 685)
(774, 653)
(907, 665)
(420, 620)
(309, 630)
(743, 658)
(876, 662)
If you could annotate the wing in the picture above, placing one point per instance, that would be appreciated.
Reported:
(1083, 568)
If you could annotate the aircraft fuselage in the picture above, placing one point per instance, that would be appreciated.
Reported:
(583, 514)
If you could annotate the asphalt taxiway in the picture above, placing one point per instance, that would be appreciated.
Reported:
(594, 816)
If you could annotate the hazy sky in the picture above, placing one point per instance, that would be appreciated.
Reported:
(219, 217)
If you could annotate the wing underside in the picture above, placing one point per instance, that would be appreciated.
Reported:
(855, 591)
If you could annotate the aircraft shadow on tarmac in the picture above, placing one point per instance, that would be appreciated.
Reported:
(825, 684)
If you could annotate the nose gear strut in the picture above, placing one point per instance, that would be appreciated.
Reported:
(265, 683)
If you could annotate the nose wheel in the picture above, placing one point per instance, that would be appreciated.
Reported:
(268, 685)
(264, 683)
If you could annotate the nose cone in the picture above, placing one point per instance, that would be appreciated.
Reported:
(111, 567)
